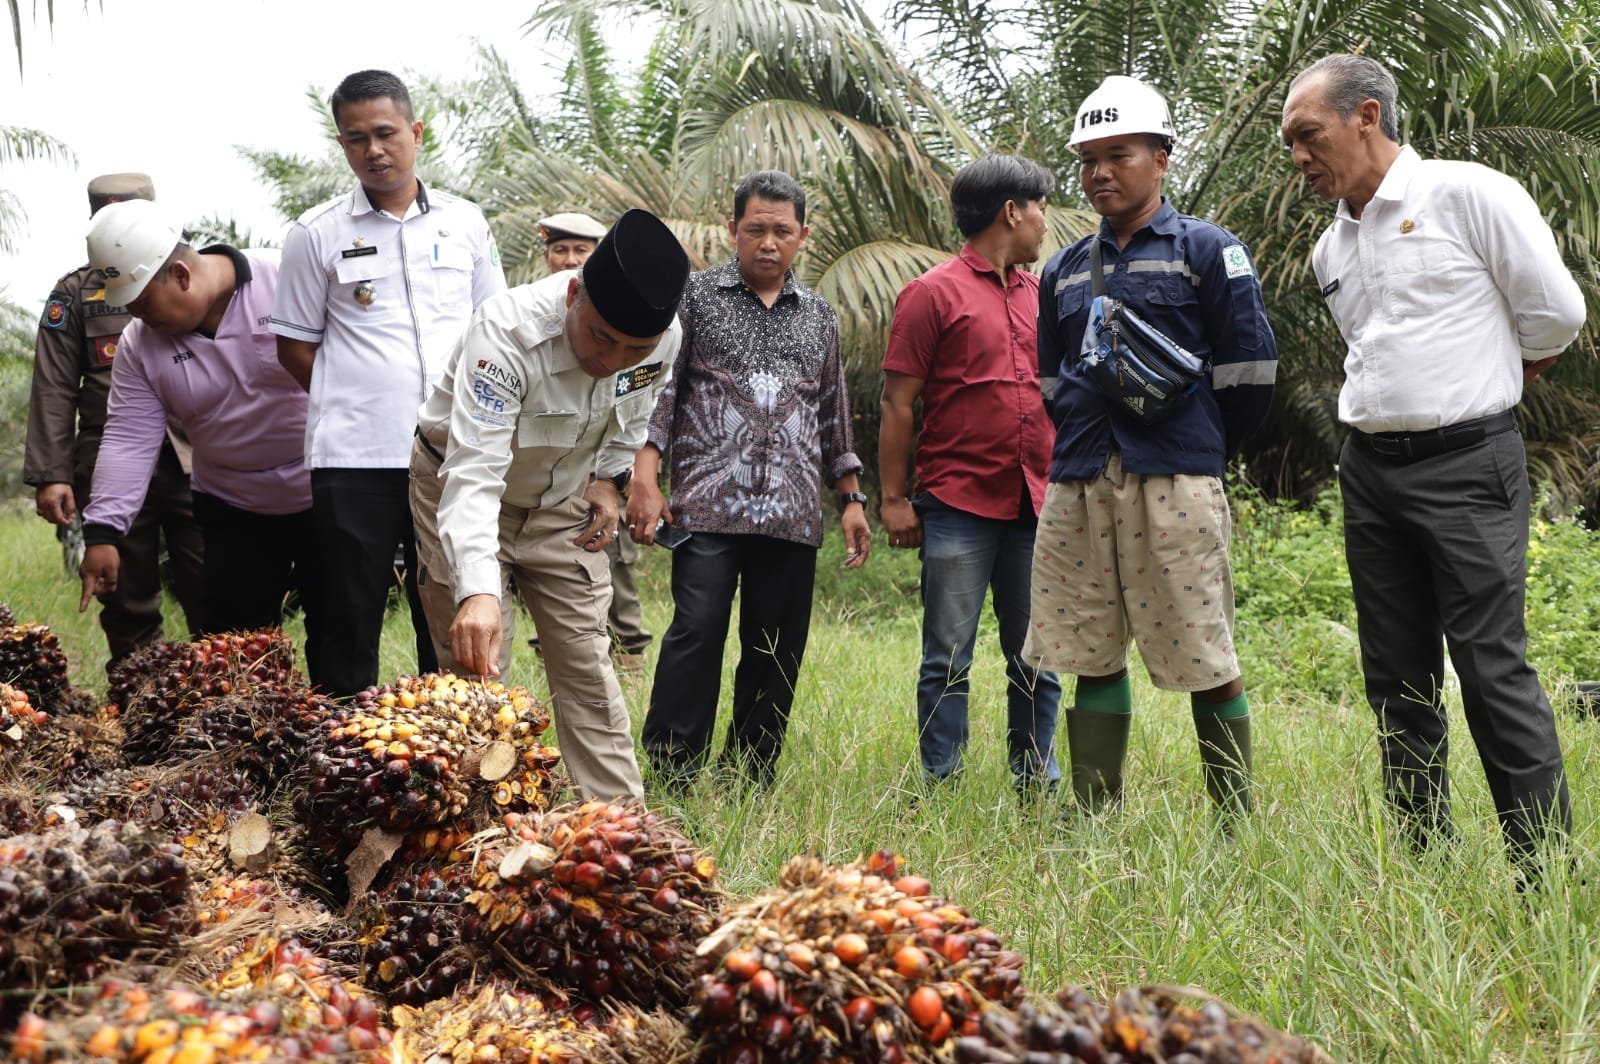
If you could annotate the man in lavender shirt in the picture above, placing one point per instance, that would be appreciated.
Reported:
(200, 352)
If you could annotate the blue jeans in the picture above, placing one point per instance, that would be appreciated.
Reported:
(963, 556)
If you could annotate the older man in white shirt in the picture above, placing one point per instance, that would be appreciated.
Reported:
(522, 455)
(1447, 286)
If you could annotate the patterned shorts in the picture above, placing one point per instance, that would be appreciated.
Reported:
(1141, 556)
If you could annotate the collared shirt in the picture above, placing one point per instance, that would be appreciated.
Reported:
(972, 340)
(1194, 281)
(73, 354)
(757, 414)
(386, 298)
(518, 421)
(243, 412)
(1445, 284)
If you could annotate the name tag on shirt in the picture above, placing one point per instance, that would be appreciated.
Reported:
(637, 378)
(1330, 288)
(356, 253)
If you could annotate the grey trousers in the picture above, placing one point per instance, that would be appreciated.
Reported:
(1438, 546)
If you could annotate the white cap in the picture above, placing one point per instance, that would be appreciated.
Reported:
(129, 241)
(571, 224)
(1120, 106)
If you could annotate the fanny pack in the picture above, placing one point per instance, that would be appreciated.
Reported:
(1139, 368)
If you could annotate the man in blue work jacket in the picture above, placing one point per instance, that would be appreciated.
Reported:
(1133, 538)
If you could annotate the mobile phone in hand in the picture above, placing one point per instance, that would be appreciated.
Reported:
(671, 536)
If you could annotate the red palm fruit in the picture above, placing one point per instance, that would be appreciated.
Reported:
(860, 1012)
(911, 963)
(925, 1006)
(588, 877)
(720, 1000)
(802, 956)
(773, 1031)
(764, 988)
(742, 964)
(850, 948)
(915, 886)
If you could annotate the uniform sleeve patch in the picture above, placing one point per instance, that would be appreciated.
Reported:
(55, 314)
(1237, 260)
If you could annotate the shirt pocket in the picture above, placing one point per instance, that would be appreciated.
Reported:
(452, 269)
(548, 428)
(1419, 272)
(367, 288)
(1172, 291)
(635, 408)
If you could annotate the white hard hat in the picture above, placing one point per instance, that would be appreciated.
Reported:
(1120, 106)
(129, 241)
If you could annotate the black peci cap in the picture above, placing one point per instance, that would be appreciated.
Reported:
(636, 276)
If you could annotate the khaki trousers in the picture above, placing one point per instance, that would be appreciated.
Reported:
(568, 591)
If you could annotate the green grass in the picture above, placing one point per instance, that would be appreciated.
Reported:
(1314, 918)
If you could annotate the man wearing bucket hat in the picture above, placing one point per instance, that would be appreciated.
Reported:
(523, 452)
(74, 352)
(199, 353)
(1133, 539)
(569, 239)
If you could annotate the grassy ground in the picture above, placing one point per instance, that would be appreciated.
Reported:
(1314, 918)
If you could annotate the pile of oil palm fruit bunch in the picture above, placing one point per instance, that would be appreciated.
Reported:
(276, 1001)
(859, 962)
(216, 863)
(1149, 1025)
(32, 661)
(606, 899)
(431, 759)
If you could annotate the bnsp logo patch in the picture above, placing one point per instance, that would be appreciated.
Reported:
(636, 378)
(55, 314)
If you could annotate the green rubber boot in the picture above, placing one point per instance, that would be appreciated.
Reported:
(1097, 744)
(1225, 757)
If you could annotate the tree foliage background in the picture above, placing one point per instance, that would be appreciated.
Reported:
(875, 119)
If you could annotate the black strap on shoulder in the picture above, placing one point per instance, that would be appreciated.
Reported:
(1097, 273)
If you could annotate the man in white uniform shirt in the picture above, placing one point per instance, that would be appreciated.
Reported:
(1447, 286)
(522, 455)
(375, 287)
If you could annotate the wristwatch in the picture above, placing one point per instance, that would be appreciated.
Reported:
(848, 497)
(622, 480)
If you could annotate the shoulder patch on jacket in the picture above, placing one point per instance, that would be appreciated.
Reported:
(1237, 260)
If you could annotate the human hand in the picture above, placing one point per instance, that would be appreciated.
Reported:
(857, 536)
(55, 503)
(901, 522)
(98, 571)
(1531, 370)
(646, 507)
(475, 635)
(603, 499)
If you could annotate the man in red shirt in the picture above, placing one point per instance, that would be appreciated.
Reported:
(963, 341)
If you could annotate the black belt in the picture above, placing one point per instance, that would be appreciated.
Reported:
(426, 446)
(1414, 445)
